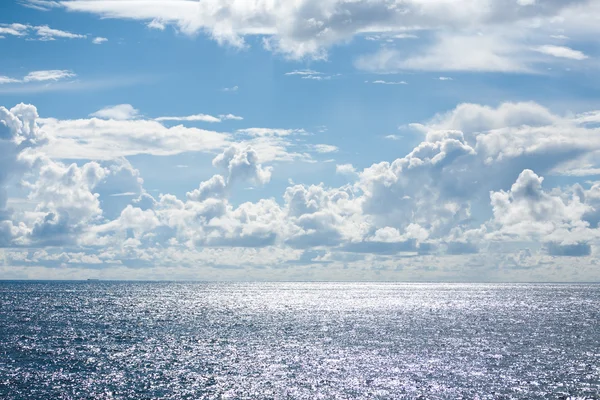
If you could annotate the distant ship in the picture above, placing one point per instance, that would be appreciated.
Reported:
(93, 279)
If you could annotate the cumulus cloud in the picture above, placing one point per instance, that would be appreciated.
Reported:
(215, 188)
(242, 164)
(474, 184)
(18, 134)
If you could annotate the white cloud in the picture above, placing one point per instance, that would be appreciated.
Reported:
(230, 116)
(561, 52)
(345, 169)
(40, 76)
(393, 137)
(41, 5)
(242, 164)
(325, 148)
(42, 32)
(231, 89)
(426, 205)
(48, 75)
(309, 74)
(6, 79)
(99, 40)
(119, 112)
(13, 29)
(445, 78)
(156, 24)
(382, 82)
(303, 72)
(47, 33)
(306, 29)
(196, 117)
(202, 118)
(107, 139)
(492, 53)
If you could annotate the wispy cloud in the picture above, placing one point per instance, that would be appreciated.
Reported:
(445, 78)
(196, 117)
(231, 89)
(303, 72)
(39, 32)
(561, 52)
(393, 137)
(48, 75)
(324, 148)
(381, 82)
(40, 5)
(40, 76)
(6, 79)
(310, 74)
(47, 33)
(202, 118)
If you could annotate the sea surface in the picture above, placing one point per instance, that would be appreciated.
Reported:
(125, 340)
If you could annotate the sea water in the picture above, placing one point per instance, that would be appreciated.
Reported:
(127, 340)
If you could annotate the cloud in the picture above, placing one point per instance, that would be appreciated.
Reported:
(197, 117)
(214, 188)
(99, 40)
(43, 32)
(242, 164)
(561, 52)
(393, 137)
(108, 139)
(445, 78)
(18, 135)
(303, 72)
(47, 33)
(156, 24)
(6, 79)
(231, 89)
(307, 29)
(13, 29)
(345, 169)
(230, 116)
(40, 76)
(381, 82)
(40, 5)
(471, 193)
(490, 53)
(310, 74)
(325, 148)
(202, 117)
(119, 112)
(48, 75)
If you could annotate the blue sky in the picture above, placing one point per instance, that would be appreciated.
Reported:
(331, 140)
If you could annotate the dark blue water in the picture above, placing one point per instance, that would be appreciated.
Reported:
(103, 340)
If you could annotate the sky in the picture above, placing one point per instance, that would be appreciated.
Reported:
(330, 140)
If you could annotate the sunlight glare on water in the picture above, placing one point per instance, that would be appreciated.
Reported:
(298, 340)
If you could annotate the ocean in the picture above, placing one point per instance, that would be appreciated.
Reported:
(138, 340)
